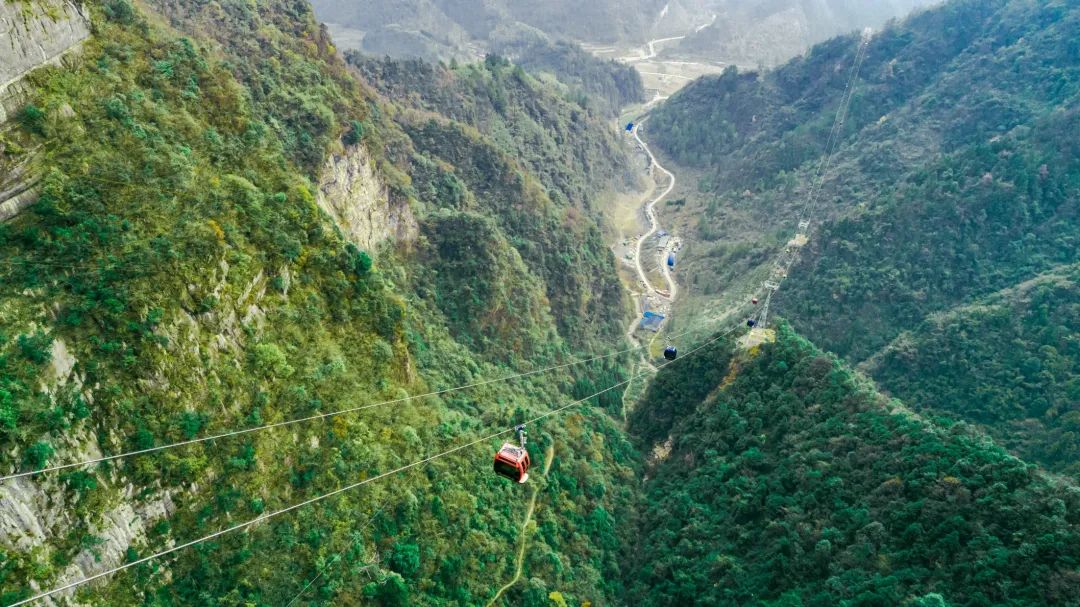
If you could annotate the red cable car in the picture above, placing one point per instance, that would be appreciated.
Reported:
(754, 301)
(512, 461)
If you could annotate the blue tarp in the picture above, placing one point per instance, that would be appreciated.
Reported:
(671, 260)
(630, 127)
(651, 321)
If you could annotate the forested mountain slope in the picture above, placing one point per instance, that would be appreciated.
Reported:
(956, 175)
(573, 154)
(606, 84)
(233, 231)
(236, 227)
(791, 482)
(1010, 362)
(571, 149)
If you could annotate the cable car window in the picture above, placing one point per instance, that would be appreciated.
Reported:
(506, 469)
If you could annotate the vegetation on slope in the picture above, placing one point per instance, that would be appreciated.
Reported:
(572, 150)
(956, 174)
(179, 256)
(550, 219)
(1010, 362)
(607, 84)
(974, 222)
(794, 483)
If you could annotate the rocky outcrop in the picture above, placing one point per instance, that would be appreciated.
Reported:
(353, 195)
(16, 186)
(35, 512)
(33, 34)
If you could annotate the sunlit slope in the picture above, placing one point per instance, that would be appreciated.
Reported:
(182, 276)
(1010, 362)
(794, 483)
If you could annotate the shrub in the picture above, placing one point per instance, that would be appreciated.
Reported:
(36, 348)
(119, 11)
(37, 456)
(32, 118)
(269, 360)
(355, 134)
(359, 261)
(405, 559)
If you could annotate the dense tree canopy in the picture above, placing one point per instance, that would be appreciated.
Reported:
(794, 483)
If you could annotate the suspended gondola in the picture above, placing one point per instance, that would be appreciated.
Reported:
(512, 461)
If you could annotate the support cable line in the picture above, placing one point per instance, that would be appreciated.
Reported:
(320, 416)
(787, 258)
(416, 464)
(337, 557)
(838, 126)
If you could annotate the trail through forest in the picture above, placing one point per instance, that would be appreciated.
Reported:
(549, 456)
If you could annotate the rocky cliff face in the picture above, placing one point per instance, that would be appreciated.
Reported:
(16, 184)
(32, 35)
(354, 196)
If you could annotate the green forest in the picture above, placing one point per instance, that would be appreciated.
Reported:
(604, 85)
(793, 482)
(238, 225)
(954, 178)
(1009, 362)
(178, 257)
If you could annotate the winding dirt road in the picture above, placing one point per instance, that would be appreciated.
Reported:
(654, 223)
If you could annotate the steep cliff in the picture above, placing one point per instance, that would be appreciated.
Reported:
(352, 193)
(32, 35)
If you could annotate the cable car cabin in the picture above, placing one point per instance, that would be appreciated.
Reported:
(512, 462)
(671, 353)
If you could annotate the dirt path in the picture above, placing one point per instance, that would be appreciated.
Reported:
(654, 224)
(672, 287)
(549, 456)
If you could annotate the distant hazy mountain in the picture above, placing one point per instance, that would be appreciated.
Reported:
(772, 31)
(454, 27)
(733, 31)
